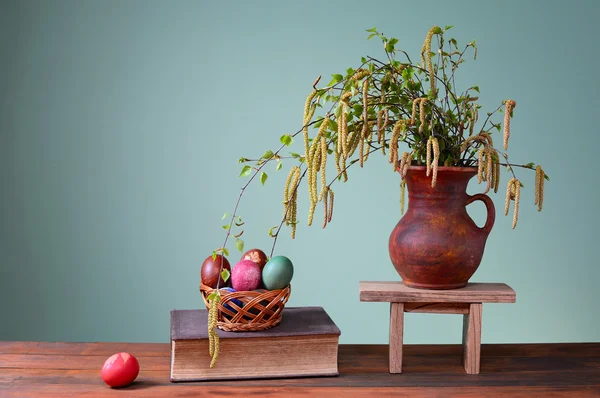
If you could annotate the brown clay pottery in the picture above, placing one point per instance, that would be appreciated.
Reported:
(436, 245)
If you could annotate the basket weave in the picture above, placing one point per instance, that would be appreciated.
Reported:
(259, 311)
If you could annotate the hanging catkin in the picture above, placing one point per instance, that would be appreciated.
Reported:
(510, 105)
(402, 195)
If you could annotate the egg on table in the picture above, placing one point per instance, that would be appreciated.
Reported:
(120, 370)
(277, 273)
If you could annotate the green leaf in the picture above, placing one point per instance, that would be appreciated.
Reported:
(363, 60)
(278, 166)
(271, 233)
(267, 155)
(286, 139)
(357, 109)
(226, 226)
(225, 216)
(263, 177)
(214, 255)
(239, 244)
(390, 45)
(225, 275)
(546, 177)
(225, 251)
(448, 27)
(295, 155)
(476, 88)
(242, 160)
(530, 165)
(212, 296)
(246, 170)
(337, 77)
(372, 30)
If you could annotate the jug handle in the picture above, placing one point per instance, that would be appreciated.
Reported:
(491, 210)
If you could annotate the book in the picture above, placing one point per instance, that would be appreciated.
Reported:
(305, 343)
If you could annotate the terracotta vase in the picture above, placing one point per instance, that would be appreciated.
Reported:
(436, 245)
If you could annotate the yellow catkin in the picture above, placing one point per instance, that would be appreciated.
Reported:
(360, 74)
(402, 195)
(325, 207)
(470, 140)
(541, 201)
(510, 105)
(365, 117)
(339, 133)
(472, 120)
(313, 163)
(405, 160)
(393, 155)
(435, 161)
(212, 324)
(497, 175)
(343, 166)
(316, 161)
(422, 114)
(323, 166)
(330, 213)
(517, 196)
(215, 355)
(286, 197)
(428, 160)
(337, 155)
(413, 117)
(368, 140)
(426, 56)
(211, 340)
(488, 138)
(354, 140)
(386, 120)
(489, 167)
(344, 137)
(539, 187)
(293, 211)
(306, 119)
(311, 212)
(480, 165)
(313, 185)
(510, 194)
(380, 125)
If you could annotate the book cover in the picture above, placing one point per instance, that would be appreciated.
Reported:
(305, 343)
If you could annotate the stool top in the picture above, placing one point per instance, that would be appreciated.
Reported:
(396, 292)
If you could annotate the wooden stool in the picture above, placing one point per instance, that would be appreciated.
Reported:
(466, 301)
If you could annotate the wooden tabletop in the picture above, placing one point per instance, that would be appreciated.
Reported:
(397, 292)
(29, 369)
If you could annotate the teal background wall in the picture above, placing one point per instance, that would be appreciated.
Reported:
(121, 124)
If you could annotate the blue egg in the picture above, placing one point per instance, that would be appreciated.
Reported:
(277, 273)
(234, 301)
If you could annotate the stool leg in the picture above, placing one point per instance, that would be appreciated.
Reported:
(396, 336)
(472, 338)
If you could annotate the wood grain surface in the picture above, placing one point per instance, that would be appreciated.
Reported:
(396, 292)
(29, 369)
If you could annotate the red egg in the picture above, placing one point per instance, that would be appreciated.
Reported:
(257, 256)
(245, 276)
(211, 270)
(120, 370)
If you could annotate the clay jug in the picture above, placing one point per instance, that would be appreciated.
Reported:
(436, 244)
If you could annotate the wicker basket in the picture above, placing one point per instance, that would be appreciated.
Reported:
(260, 309)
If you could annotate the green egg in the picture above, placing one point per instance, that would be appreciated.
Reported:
(277, 273)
